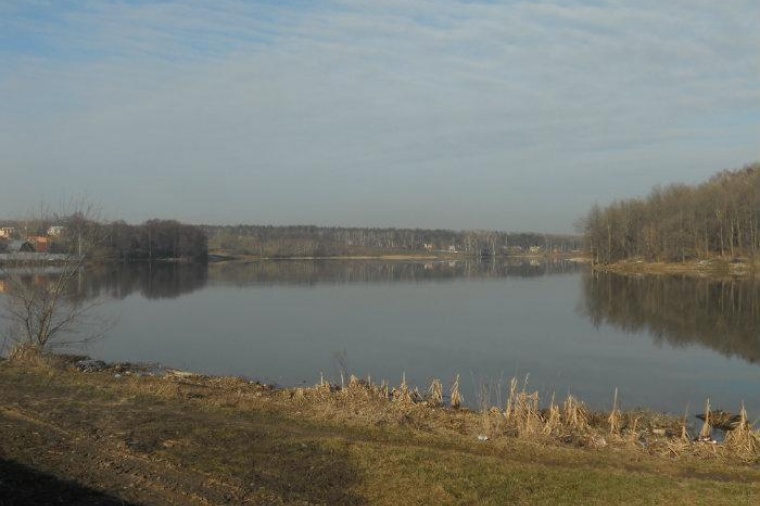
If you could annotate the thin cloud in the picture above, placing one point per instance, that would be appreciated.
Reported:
(312, 104)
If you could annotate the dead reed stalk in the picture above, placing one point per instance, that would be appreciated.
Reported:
(402, 394)
(435, 393)
(633, 437)
(522, 411)
(509, 411)
(456, 397)
(743, 440)
(384, 390)
(576, 414)
(615, 417)
(706, 431)
(553, 420)
(684, 431)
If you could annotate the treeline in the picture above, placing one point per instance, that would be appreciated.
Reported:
(268, 241)
(720, 217)
(153, 240)
(79, 235)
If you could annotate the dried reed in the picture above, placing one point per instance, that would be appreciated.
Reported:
(456, 397)
(706, 431)
(576, 414)
(684, 431)
(402, 394)
(509, 411)
(435, 393)
(743, 440)
(522, 412)
(553, 420)
(615, 417)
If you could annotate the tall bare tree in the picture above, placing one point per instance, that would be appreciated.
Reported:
(43, 309)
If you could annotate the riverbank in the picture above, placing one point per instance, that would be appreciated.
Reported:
(119, 434)
(717, 267)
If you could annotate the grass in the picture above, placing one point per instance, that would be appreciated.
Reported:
(201, 440)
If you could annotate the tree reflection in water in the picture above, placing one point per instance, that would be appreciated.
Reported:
(720, 314)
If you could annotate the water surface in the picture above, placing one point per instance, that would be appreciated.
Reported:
(667, 343)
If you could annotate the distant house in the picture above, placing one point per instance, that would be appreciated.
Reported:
(55, 230)
(38, 243)
(6, 232)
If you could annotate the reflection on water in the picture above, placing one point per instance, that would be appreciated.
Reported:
(286, 321)
(152, 281)
(723, 315)
(298, 272)
(171, 280)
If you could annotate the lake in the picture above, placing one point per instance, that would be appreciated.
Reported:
(666, 343)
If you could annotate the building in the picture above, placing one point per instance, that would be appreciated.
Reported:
(39, 243)
(55, 231)
(7, 232)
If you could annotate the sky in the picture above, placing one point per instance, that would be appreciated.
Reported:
(457, 114)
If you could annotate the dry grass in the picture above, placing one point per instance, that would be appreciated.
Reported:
(576, 415)
(743, 441)
(27, 354)
(569, 422)
(524, 415)
(304, 445)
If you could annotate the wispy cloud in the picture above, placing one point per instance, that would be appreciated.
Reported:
(375, 112)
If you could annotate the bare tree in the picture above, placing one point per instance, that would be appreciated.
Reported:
(43, 308)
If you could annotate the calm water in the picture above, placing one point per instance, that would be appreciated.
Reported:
(666, 343)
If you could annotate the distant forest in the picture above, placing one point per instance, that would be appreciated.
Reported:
(75, 234)
(153, 240)
(720, 217)
(312, 241)
(168, 239)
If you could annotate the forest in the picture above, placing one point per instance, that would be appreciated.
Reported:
(311, 241)
(679, 222)
(169, 239)
(78, 234)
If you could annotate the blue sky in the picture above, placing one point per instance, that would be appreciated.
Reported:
(413, 113)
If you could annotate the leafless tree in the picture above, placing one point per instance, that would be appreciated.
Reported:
(718, 218)
(42, 307)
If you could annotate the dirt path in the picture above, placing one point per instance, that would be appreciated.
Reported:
(111, 463)
(93, 442)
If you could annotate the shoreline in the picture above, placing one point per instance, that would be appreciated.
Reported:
(182, 438)
(658, 423)
(714, 268)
